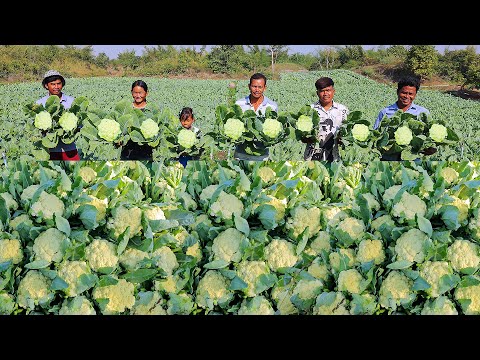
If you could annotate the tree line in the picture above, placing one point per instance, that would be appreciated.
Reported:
(20, 63)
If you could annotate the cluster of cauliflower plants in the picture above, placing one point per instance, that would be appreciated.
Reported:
(240, 238)
(52, 123)
(411, 136)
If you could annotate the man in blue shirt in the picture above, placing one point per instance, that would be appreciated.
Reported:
(259, 103)
(407, 90)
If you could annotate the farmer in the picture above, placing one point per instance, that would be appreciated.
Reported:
(331, 114)
(407, 89)
(259, 103)
(132, 150)
(54, 82)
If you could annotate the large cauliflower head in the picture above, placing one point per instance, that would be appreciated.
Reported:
(149, 129)
(227, 245)
(68, 121)
(272, 128)
(101, 253)
(438, 133)
(304, 123)
(43, 120)
(120, 297)
(109, 129)
(234, 128)
(280, 253)
(212, 290)
(187, 138)
(403, 135)
(360, 132)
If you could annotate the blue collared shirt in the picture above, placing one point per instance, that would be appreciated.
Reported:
(66, 101)
(414, 109)
(245, 104)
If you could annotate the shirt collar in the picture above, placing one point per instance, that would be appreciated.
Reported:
(265, 100)
(318, 105)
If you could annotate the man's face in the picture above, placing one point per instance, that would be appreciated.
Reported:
(257, 87)
(54, 87)
(406, 95)
(325, 95)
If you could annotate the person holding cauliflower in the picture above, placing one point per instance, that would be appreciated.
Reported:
(187, 119)
(407, 89)
(259, 103)
(331, 114)
(132, 150)
(54, 82)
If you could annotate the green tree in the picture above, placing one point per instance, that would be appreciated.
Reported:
(422, 60)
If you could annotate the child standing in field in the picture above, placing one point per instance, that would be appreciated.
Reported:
(187, 119)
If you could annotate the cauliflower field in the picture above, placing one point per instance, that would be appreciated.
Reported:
(242, 238)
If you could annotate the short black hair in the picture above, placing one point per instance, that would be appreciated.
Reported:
(185, 113)
(257, 76)
(140, 83)
(324, 82)
(409, 81)
(49, 79)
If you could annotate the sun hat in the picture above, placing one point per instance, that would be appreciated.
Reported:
(51, 73)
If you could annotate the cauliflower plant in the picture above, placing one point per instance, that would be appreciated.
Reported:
(123, 217)
(463, 254)
(228, 245)
(354, 228)
(79, 305)
(226, 205)
(109, 129)
(396, 289)
(70, 271)
(120, 297)
(47, 205)
(207, 192)
(131, 257)
(101, 253)
(267, 174)
(469, 298)
(22, 219)
(351, 281)
(43, 120)
(165, 259)
(187, 138)
(68, 121)
(101, 205)
(213, 290)
(280, 253)
(149, 303)
(348, 256)
(272, 128)
(9, 201)
(321, 242)
(438, 133)
(439, 306)
(411, 246)
(33, 289)
(371, 250)
(11, 250)
(149, 129)
(304, 123)
(301, 217)
(409, 206)
(234, 128)
(330, 303)
(281, 295)
(87, 174)
(318, 269)
(258, 305)
(389, 193)
(449, 174)
(249, 271)
(431, 272)
(403, 135)
(308, 289)
(50, 245)
(360, 132)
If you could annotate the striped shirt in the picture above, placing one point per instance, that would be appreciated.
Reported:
(245, 104)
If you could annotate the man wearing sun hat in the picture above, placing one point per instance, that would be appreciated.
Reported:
(54, 82)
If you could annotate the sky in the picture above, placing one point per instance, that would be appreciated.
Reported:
(112, 51)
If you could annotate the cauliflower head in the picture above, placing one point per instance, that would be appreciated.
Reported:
(330, 303)
(411, 246)
(360, 132)
(449, 174)
(371, 250)
(120, 297)
(318, 269)
(272, 128)
(149, 303)
(70, 271)
(463, 254)
(321, 242)
(43, 120)
(9, 201)
(11, 250)
(122, 217)
(47, 205)
(109, 129)
(409, 206)
(438, 133)
(432, 271)
(149, 128)
(471, 293)
(33, 289)
(304, 123)
(403, 135)
(79, 305)
(396, 289)
(350, 281)
(234, 128)
(212, 290)
(165, 259)
(280, 253)
(258, 305)
(226, 205)
(187, 138)
(281, 295)
(227, 245)
(267, 174)
(50, 245)
(101, 253)
(249, 271)
(87, 174)
(131, 257)
(301, 217)
(439, 306)
(68, 121)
